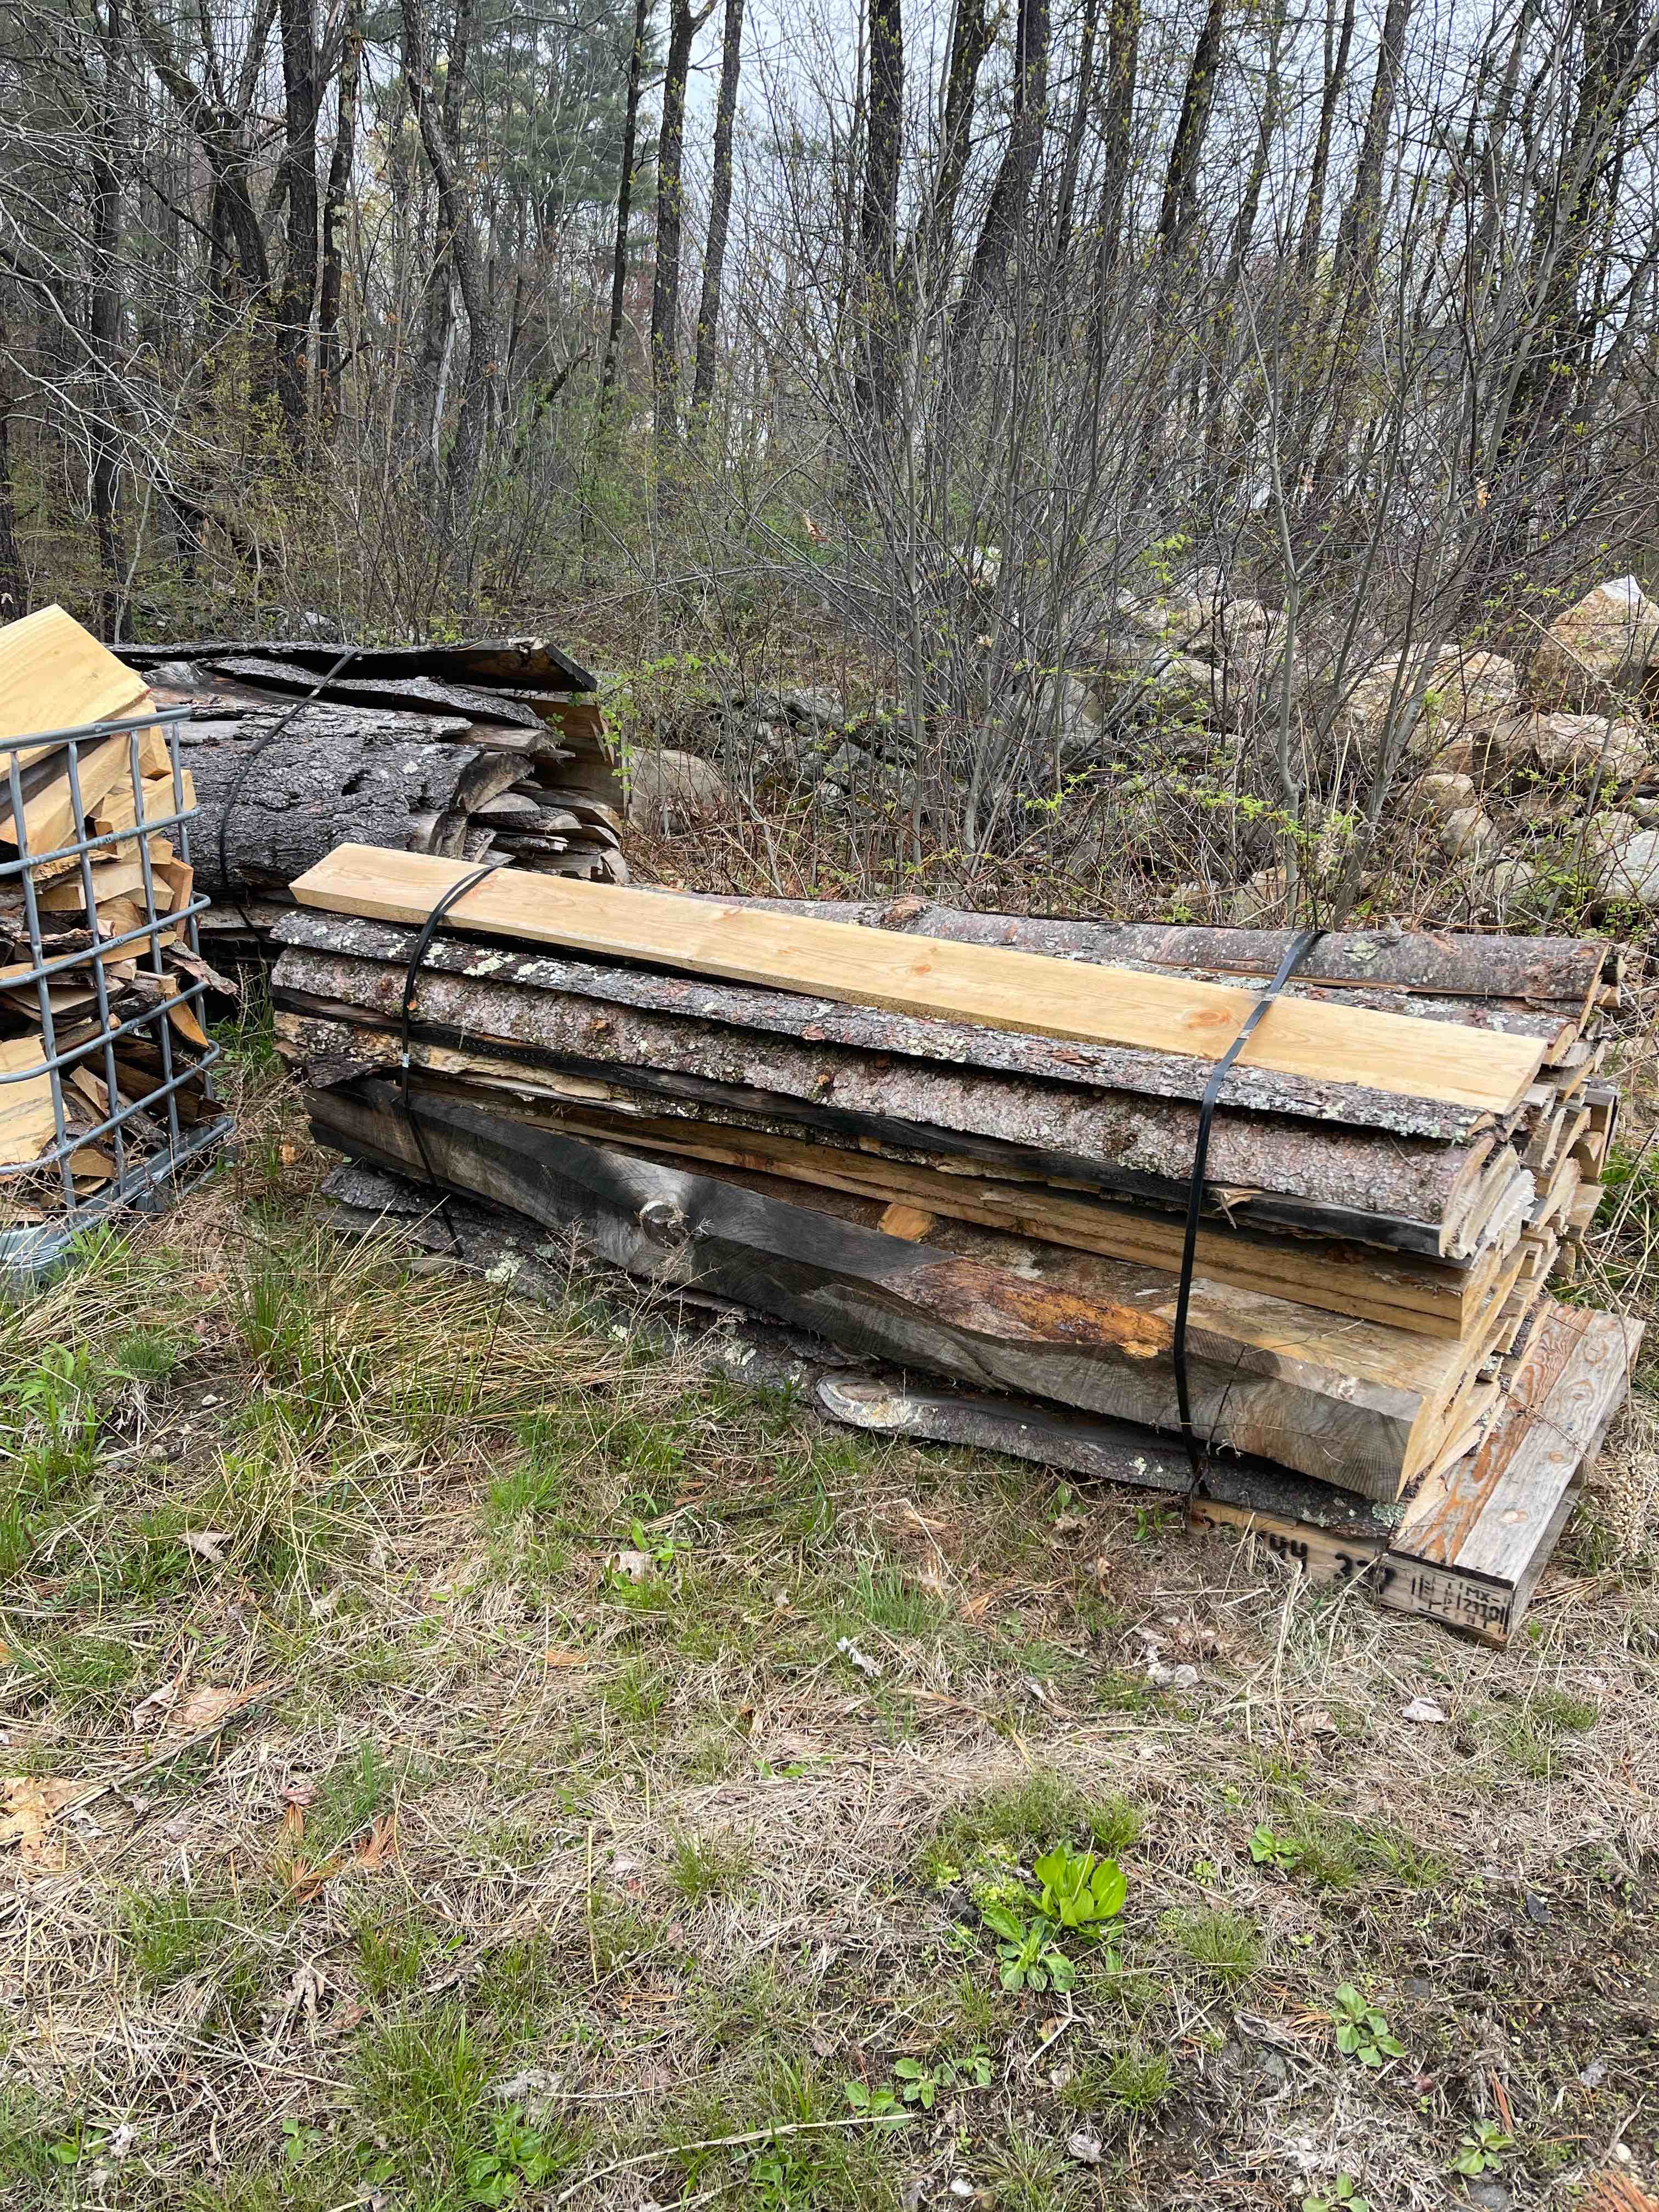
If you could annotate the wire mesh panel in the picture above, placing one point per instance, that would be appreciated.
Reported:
(106, 1086)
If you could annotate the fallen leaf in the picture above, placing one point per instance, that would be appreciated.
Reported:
(636, 1565)
(188, 1715)
(304, 1881)
(1425, 1710)
(29, 1809)
(208, 1544)
(380, 1849)
(152, 1708)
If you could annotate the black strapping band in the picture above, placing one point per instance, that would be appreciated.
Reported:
(1300, 946)
(257, 752)
(456, 892)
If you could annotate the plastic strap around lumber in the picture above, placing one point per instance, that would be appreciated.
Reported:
(411, 976)
(1296, 953)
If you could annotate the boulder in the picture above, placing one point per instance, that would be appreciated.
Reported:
(1077, 705)
(1512, 888)
(1466, 832)
(669, 790)
(1627, 868)
(1589, 748)
(1442, 796)
(1259, 901)
(1464, 688)
(1601, 645)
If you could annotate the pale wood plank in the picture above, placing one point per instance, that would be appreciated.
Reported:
(55, 676)
(991, 986)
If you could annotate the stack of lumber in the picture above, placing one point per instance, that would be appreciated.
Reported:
(104, 977)
(489, 748)
(961, 1145)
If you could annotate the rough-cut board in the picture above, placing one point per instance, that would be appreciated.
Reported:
(1108, 1452)
(513, 661)
(835, 1030)
(1331, 1534)
(1339, 1400)
(1484, 1517)
(1004, 990)
(1407, 1192)
(1429, 1298)
(55, 676)
(1563, 972)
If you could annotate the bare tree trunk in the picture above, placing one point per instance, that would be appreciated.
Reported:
(1354, 268)
(878, 205)
(1272, 101)
(970, 41)
(13, 583)
(624, 198)
(1117, 136)
(1010, 196)
(471, 277)
(337, 219)
(1180, 203)
(1619, 54)
(299, 292)
(1313, 212)
(1066, 199)
(104, 330)
(682, 27)
(720, 213)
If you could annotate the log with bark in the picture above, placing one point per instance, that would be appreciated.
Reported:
(490, 749)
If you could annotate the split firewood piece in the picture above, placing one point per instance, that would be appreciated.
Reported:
(54, 675)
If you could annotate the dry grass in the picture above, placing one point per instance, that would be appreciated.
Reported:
(525, 1875)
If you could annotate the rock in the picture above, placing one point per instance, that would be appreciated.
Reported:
(1081, 721)
(1622, 862)
(1512, 889)
(1490, 2196)
(1442, 795)
(1463, 688)
(1603, 643)
(1547, 805)
(1261, 901)
(1589, 748)
(818, 710)
(1178, 687)
(1173, 619)
(669, 790)
(1466, 832)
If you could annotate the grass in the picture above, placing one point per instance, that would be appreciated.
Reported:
(709, 1866)
(1224, 1946)
(1024, 1817)
(522, 1868)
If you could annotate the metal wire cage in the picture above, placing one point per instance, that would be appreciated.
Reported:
(103, 1042)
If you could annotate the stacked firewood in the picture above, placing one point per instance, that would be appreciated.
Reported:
(493, 747)
(103, 1056)
(821, 1126)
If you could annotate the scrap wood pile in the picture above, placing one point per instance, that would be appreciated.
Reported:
(961, 1145)
(97, 966)
(494, 747)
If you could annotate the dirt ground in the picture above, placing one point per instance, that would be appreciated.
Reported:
(465, 1753)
